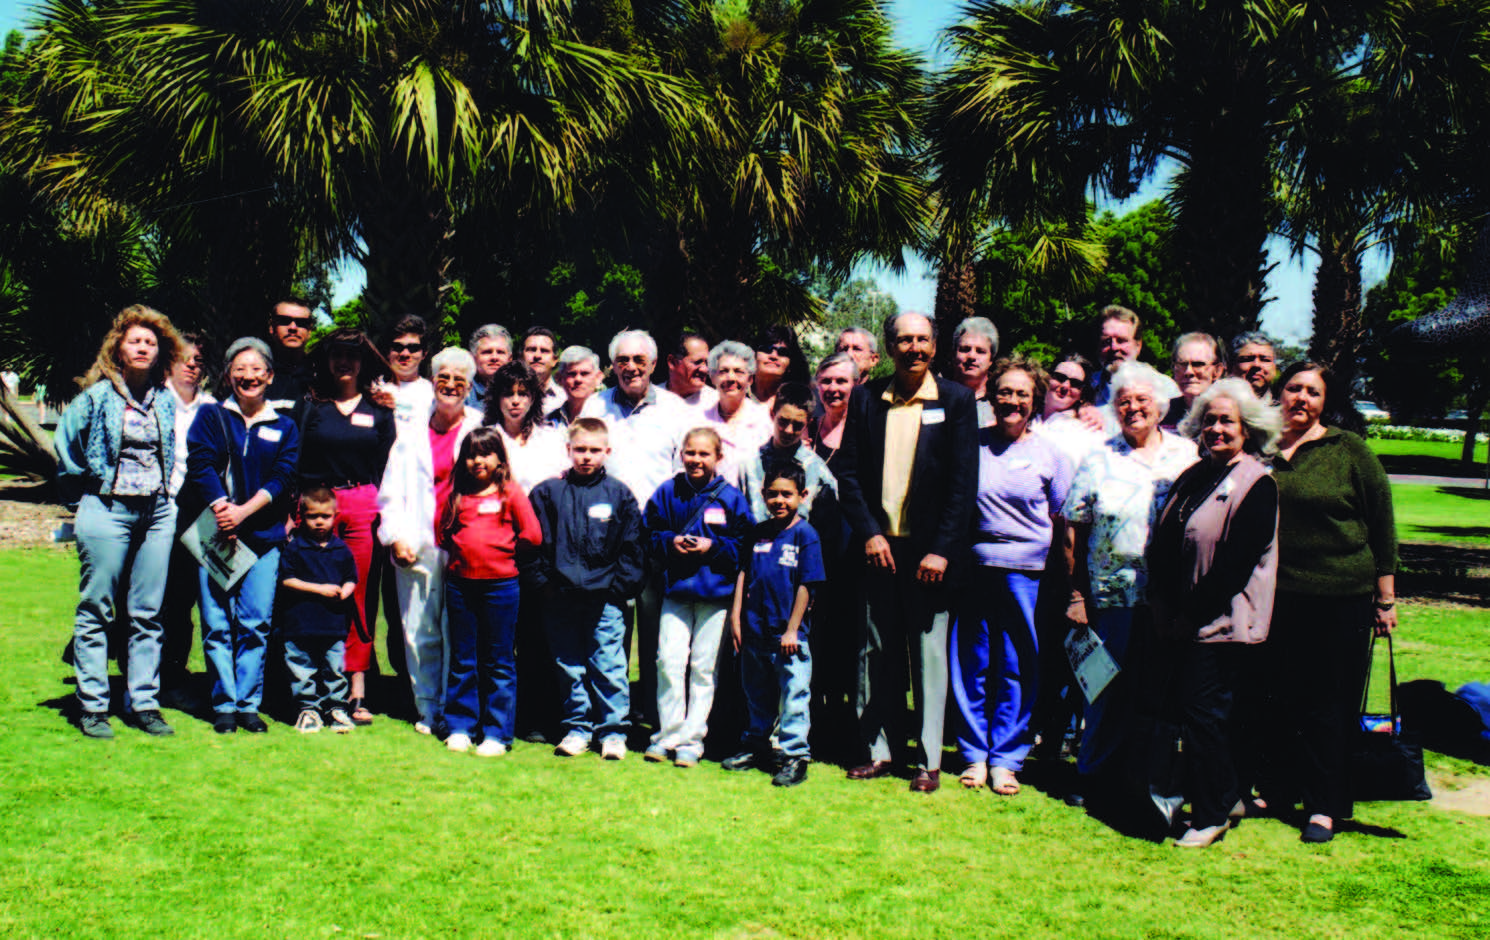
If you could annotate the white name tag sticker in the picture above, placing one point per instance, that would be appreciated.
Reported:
(1020, 465)
(270, 434)
(715, 515)
(489, 507)
(762, 548)
(933, 416)
(600, 512)
(361, 420)
(788, 556)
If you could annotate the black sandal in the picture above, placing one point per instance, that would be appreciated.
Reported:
(359, 713)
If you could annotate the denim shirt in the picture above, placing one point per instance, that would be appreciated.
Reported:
(90, 436)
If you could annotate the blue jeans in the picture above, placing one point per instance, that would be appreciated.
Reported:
(119, 538)
(317, 678)
(996, 667)
(778, 688)
(235, 634)
(482, 688)
(587, 637)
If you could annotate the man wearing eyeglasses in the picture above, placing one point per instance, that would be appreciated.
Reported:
(289, 328)
(1199, 359)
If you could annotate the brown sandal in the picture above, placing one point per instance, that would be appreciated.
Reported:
(1004, 782)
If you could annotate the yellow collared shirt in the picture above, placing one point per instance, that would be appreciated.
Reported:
(902, 430)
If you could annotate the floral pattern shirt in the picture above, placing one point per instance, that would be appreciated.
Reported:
(1120, 497)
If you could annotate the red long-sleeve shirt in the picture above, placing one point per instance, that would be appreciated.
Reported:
(485, 544)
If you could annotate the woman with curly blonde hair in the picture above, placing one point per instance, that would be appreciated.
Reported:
(116, 447)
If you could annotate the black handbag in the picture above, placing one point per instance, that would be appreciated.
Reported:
(1386, 762)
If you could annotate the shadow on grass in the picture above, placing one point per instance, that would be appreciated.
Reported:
(1427, 465)
(1437, 571)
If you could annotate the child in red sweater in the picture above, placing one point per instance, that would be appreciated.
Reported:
(480, 526)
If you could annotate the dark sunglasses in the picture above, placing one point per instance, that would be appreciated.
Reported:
(302, 323)
(780, 349)
(1064, 379)
(405, 347)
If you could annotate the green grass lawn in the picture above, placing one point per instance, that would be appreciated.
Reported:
(1431, 458)
(1451, 515)
(383, 834)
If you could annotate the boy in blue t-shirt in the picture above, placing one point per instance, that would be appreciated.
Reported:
(317, 577)
(780, 564)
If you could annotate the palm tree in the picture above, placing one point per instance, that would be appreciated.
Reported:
(334, 128)
(1047, 102)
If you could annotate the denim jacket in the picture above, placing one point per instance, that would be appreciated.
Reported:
(88, 440)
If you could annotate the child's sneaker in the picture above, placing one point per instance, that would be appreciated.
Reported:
(686, 758)
(341, 722)
(572, 746)
(309, 722)
(613, 749)
(745, 760)
(458, 742)
(655, 754)
(491, 747)
(792, 772)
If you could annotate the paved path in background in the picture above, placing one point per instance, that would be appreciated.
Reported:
(1418, 479)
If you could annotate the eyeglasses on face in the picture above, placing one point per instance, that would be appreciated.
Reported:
(299, 323)
(1061, 378)
(780, 349)
(405, 347)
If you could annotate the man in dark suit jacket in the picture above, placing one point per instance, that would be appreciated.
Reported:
(908, 481)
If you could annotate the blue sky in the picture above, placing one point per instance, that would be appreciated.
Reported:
(917, 23)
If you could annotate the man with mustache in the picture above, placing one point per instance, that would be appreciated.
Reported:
(1254, 359)
(908, 476)
(688, 372)
(289, 328)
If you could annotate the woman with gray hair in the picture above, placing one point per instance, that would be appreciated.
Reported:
(1214, 564)
(240, 463)
(1114, 499)
(743, 425)
(417, 480)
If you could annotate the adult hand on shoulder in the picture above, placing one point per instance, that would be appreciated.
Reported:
(1091, 416)
(932, 570)
(877, 553)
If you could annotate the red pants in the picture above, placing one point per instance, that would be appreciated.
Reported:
(356, 524)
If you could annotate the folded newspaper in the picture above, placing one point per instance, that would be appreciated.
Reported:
(1093, 666)
(226, 560)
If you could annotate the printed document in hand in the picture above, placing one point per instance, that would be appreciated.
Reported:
(227, 560)
(1093, 666)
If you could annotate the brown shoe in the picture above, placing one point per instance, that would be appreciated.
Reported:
(875, 768)
(927, 781)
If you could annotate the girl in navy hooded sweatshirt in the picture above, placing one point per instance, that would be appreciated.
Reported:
(695, 523)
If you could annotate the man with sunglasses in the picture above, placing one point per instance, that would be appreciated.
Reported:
(290, 326)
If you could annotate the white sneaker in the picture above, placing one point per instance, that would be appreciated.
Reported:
(423, 728)
(613, 749)
(491, 747)
(309, 722)
(460, 743)
(572, 746)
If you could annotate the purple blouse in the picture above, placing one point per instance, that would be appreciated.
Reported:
(1019, 486)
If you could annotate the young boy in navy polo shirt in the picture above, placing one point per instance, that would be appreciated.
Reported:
(318, 576)
(780, 564)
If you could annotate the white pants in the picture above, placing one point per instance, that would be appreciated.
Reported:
(421, 599)
(688, 640)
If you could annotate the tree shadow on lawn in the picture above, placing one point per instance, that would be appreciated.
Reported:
(1430, 466)
(1434, 571)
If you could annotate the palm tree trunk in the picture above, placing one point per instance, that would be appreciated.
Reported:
(406, 234)
(1338, 331)
(956, 300)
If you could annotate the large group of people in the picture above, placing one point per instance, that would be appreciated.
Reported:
(781, 555)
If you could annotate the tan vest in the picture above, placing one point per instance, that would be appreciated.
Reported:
(1251, 611)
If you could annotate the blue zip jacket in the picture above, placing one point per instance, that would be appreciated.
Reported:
(592, 536)
(228, 458)
(723, 515)
(89, 437)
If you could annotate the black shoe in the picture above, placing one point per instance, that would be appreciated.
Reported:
(251, 723)
(96, 725)
(793, 772)
(745, 760)
(225, 723)
(1315, 833)
(150, 722)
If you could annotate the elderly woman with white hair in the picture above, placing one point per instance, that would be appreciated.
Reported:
(240, 462)
(1113, 502)
(418, 479)
(743, 425)
(1214, 564)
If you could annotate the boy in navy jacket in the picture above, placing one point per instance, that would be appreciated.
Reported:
(590, 562)
(694, 522)
(317, 576)
(781, 565)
